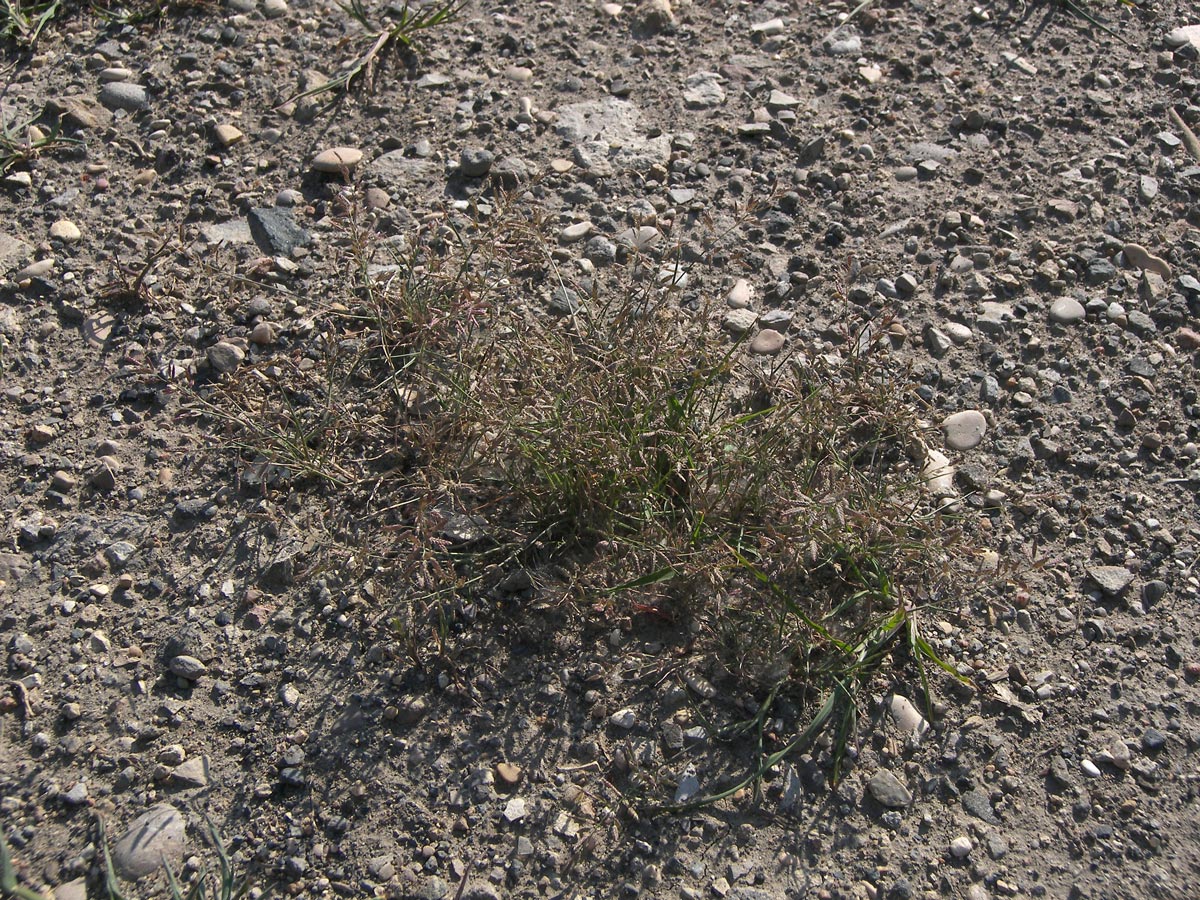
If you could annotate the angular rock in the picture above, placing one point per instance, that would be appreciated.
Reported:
(225, 357)
(275, 231)
(1113, 580)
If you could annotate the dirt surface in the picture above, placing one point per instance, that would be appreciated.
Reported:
(1006, 180)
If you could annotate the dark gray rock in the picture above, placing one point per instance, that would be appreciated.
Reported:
(275, 231)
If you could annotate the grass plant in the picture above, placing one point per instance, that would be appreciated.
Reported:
(773, 508)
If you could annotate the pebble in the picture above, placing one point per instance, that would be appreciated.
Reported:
(961, 847)
(337, 160)
(846, 46)
(157, 838)
(66, 231)
(475, 162)
(123, 95)
(703, 90)
(1067, 311)
(740, 296)
(508, 773)
(964, 430)
(187, 667)
(225, 357)
(938, 474)
(1089, 768)
(274, 9)
(623, 718)
(577, 231)
(888, 790)
(1113, 580)
(193, 772)
(227, 135)
(739, 321)
(1139, 257)
(767, 342)
(906, 716)
(1183, 35)
(958, 333)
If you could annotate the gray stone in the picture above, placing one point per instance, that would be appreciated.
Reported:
(156, 838)
(275, 231)
(225, 357)
(187, 667)
(234, 231)
(193, 772)
(978, 804)
(703, 90)
(1067, 311)
(888, 790)
(924, 151)
(1183, 35)
(964, 430)
(123, 95)
(618, 123)
(846, 46)
(475, 162)
(1113, 580)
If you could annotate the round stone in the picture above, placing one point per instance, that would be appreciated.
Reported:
(123, 95)
(337, 160)
(1067, 311)
(66, 231)
(155, 839)
(475, 162)
(767, 342)
(961, 847)
(964, 430)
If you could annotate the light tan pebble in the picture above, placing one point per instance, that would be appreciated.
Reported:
(115, 73)
(378, 198)
(1140, 258)
(66, 231)
(227, 135)
(740, 296)
(145, 176)
(519, 74)
(35, 269)
(336, 160)
(561, 165)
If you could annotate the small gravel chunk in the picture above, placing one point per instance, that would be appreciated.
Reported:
(66, 231)
(225, 357)
(767, 342)
(961, 847)
(1113, 580)
(475, 162)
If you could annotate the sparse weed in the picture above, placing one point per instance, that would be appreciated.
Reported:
(398, 35)
(19, 143)
(23, 21)
(774, 508)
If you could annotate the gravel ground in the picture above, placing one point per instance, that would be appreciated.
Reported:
(1016, 187)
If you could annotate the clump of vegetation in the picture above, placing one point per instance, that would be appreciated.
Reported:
(485, 421)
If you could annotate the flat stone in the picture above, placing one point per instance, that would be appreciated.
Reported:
(12, 251)
(235, 231)
(978, 804)
(767, 342)
(514, 811)
(1185, 34)
(227, 135)
(275, 231)
(157, 838)
(846, 46)
(924, 151)
(1139, 257)
(72, 890)
(1113, 580)
(703, 90)
(123, 95)
(1067, 311)
(193, 772)
(337, 160)
(964, 430)
(888, 790)
(618, 123)
(508, 773)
